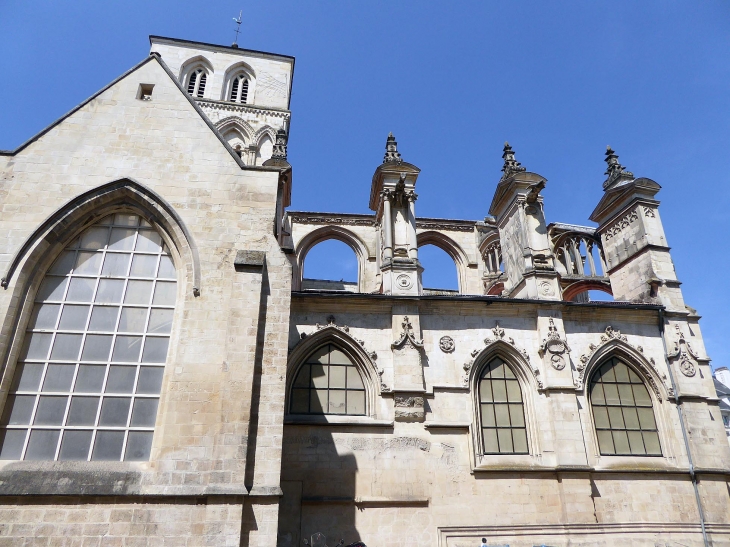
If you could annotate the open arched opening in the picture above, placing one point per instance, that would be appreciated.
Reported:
(330, 265)
(439, 270)
(588, 291)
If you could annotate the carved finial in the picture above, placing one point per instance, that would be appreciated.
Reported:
(511, 165)
(280, 145)
(391, 150)
(614, 169)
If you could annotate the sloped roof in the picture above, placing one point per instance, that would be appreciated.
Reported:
(156, 58)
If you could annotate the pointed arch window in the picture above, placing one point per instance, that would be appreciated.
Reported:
(622, 412)
(87, 384)
(239, 89)
(196, 82)
(502, 410)
(328, 383)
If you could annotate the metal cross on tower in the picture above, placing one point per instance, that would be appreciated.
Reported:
(238, 28)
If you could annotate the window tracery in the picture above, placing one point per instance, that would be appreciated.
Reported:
(328, 382)
(623, 413)
(501, 410)
(88, 381)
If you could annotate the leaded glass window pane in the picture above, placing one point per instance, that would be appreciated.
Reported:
(87, 385)
(501, 410)
(622, 412)
(328, 383)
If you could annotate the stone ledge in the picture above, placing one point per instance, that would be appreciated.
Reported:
(328, 420)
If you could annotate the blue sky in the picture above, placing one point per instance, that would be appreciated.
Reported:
(453, 81)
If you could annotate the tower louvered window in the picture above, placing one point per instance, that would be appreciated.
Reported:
(239, 89)
(87, 384)
(196, 83)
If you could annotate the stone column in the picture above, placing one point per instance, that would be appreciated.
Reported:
(412, 241)
(387, 226)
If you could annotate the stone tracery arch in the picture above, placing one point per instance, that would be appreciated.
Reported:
(451, 248)
(325, 233)
(348, 344)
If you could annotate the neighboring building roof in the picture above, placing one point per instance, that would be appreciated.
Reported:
(721, 389)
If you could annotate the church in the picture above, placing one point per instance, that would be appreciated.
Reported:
(169, 377)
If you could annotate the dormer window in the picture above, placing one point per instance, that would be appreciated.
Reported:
(239, 89)
(196, 83)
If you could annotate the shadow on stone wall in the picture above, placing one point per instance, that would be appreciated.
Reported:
(319, 488)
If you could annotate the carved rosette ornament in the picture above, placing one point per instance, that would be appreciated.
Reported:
(555, 347)
(446, 344)
(683, 351)
(499, 336)
(609, 335)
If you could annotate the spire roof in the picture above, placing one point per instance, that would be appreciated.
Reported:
(511, 165)
(391, 150)
(614, 170)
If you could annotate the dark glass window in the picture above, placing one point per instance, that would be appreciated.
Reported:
(328, 383)
(622, 412)
(502, 412)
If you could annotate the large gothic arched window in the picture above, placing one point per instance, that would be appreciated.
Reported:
(622, 412)
(501, 410)
(328, 383)
(87, 384)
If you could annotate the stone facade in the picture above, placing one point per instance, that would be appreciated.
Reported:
(235, 460)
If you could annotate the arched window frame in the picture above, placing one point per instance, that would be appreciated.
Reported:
(193, 66)
(324, 233)
(45, 253)
(529, 387)
(38, 252)
(661, 403)
(343, 341)
(237, 71)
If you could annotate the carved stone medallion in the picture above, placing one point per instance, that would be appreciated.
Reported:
(555, 346)
(404, 281)
(546, 289)
(446, 344)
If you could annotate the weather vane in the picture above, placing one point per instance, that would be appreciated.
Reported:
(238, 28)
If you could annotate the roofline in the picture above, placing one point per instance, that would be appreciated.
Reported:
(74, 110)
(234, 49)
(479, 298)
(190, 100)
(217, 46)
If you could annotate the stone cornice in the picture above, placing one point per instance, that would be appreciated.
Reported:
(249, 108)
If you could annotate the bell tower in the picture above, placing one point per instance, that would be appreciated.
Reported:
(393, 198)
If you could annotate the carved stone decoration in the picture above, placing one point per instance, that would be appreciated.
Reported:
(684, 352)
(499, 336)
(354, 220)
(407, 336)
(409, 408)
(446, 343)
(546, 289)
(344, 328)
(404, 281)
(609, 335)
(555, 346)
(649, 212)
(624, 222)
